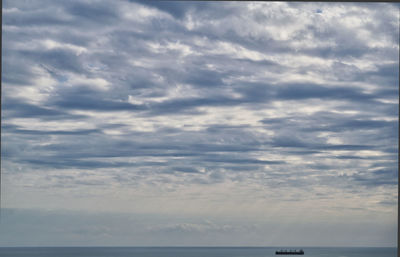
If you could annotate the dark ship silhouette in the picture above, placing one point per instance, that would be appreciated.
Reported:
(290, 252)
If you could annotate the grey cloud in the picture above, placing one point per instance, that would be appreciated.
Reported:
(175, 9)
(57, 163)
(179, 11)
(381, 177)
(17, 73)
(347, 157)
(67, 13)
(305, 91)
(237, 161)
(90, 103)
(34, 17)
(336, 124)
(100, 12)
(185, 169)
(58, 59)
(204, 78)
(187, 104)
(19, 130)
(20, 109)
(84, 98)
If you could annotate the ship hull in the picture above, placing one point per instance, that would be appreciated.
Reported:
(289, 252)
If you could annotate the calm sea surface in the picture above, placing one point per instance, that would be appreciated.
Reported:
(187, 252)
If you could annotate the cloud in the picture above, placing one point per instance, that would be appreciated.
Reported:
(205, 227)
(378, 177)
(229, 102)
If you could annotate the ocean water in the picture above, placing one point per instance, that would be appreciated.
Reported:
(189, 252)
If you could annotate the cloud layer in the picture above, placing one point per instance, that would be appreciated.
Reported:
(219, 106)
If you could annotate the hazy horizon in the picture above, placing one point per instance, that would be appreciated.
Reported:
(275, 248)
(199, 123)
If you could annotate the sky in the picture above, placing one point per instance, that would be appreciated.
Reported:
(150, 123)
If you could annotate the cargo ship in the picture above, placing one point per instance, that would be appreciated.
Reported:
(290, 252)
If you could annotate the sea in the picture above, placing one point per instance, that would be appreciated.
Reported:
(191, 251)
